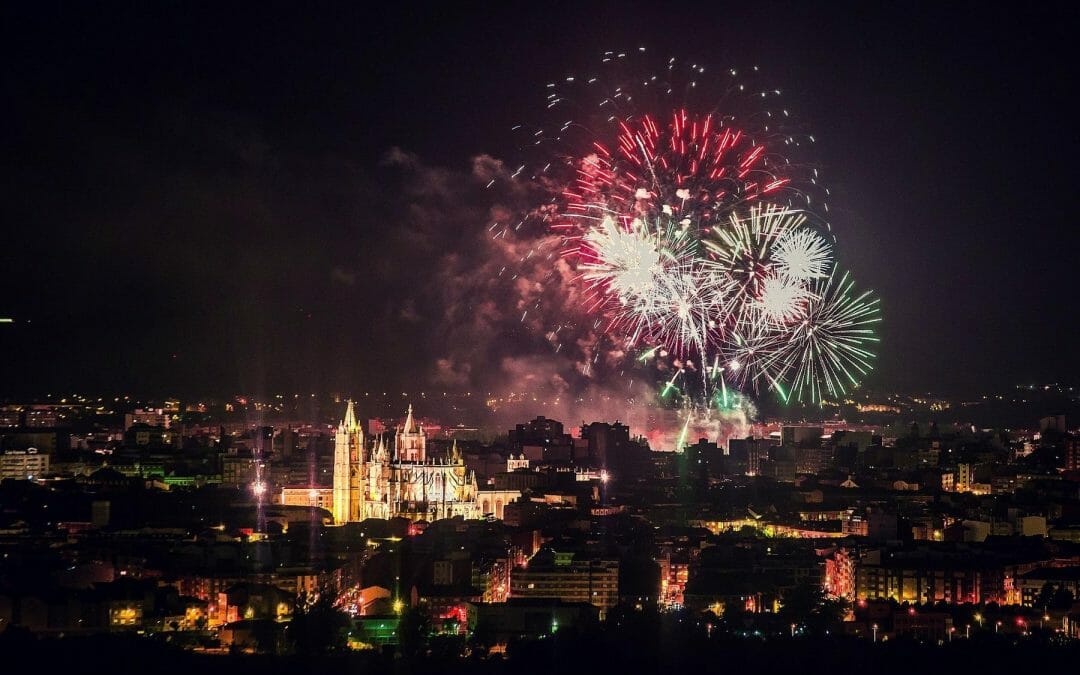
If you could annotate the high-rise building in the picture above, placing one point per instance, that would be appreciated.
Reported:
(609, 445)
(964, 477)
(1052, 423)
(812, 460)
(749, 453)
(286, 443)
(704, 460)
(792, 436)
(542, 440)
(540, 431)
(1072, 453)
(758, 455)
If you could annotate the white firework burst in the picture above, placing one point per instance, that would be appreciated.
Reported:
(688, 305)
(803, 254)
(628, 260)
(744, 249)
(782, 299)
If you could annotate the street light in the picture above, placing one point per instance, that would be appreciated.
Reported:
(875, 631)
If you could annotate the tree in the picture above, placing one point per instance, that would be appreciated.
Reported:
(483, 637)
(319, 629)
(735, 616)
(1054, 597)
(1063, 599)
(1045, 596)
(807, 605)
(413, 630)
(447, 647)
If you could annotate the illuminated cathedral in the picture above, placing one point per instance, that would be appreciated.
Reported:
(374, 481)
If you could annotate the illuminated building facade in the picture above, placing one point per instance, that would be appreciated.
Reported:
(373, 481)
(840, 574)
(153, 417)
(924, 579)
(23, 464)
(492, 578)
(493, 502)
(674, 574)
(569, 578)
(311, 496)
(1072, 454)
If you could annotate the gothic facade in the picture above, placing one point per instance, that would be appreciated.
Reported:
(374, 481)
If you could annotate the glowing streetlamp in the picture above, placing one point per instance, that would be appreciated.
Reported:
(875, 627)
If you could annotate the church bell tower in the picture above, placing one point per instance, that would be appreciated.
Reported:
(348, 468)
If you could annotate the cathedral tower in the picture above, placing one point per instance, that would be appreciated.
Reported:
(410, 443)
(348, 468)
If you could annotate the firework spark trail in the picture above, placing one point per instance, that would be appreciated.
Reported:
(827, 352)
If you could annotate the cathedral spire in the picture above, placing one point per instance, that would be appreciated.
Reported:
(410, 425)
(350, 417)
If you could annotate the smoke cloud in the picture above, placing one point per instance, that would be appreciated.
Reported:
(503, 315)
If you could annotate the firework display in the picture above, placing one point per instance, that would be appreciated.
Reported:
(694, 243)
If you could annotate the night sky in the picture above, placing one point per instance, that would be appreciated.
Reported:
(198, 200)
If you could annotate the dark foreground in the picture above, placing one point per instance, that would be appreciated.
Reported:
(589, 653)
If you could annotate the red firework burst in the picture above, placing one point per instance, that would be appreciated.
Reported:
(693, 170)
